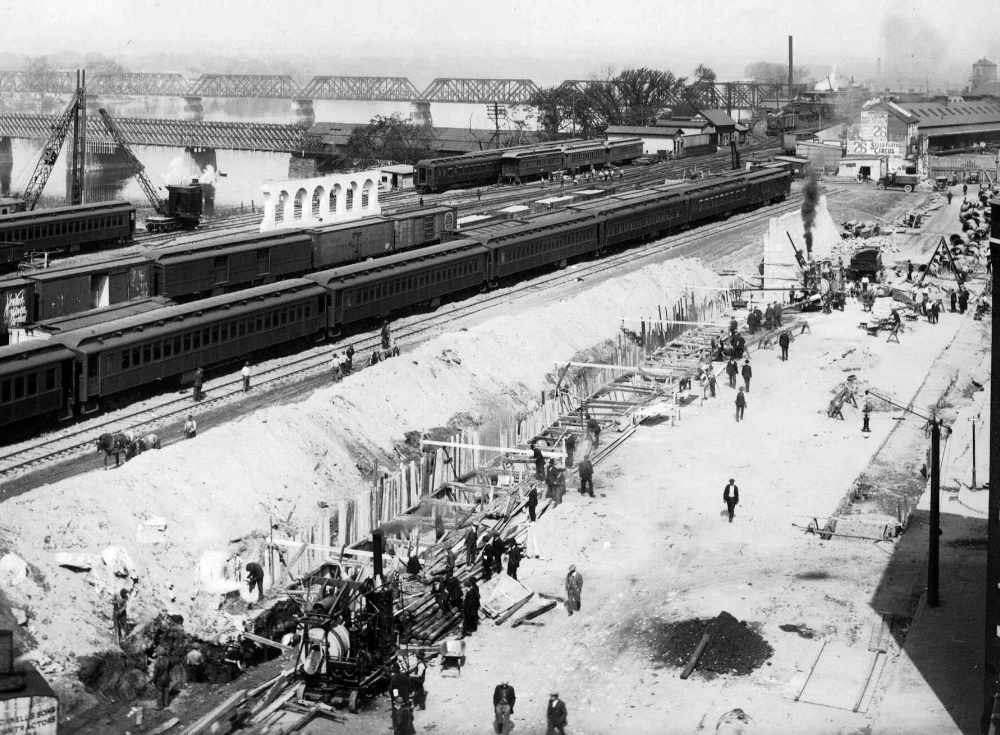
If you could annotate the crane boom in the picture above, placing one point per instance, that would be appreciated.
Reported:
(135, 166)
(50, 152)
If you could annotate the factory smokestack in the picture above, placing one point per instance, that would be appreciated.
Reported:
(791, 69)
(878, 70)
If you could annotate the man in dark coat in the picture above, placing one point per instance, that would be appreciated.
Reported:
(731, 497)
(769, 318)
(417, 678)
(532, 503)
(783, 341)
(732, 370)
(733, 326)
(536, 452)
(954, 300)
(255, 578)
(487, 561)
(594, 429)
(471, 542)
(777, 313)
(470, 608)
(402, 720)
(399, 686)
(586, 470)
(747, 373)
(571, 442)
(555, 716)
(738, 346)
(741, 405)
(551, 476)
(503, 705)
(119, 615)
(453, 589)
(504, 691)
(199, 381)
(751, 324)
(161, 678)
(497, 544)
(963, 300)
(513, 561)
(909, 270)
(350, 358)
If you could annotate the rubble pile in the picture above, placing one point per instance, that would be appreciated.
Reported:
(734, 647)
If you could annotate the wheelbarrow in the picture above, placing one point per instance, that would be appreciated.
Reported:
(452, 655)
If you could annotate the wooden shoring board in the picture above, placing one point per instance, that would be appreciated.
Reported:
(840, 677)
(881, 630)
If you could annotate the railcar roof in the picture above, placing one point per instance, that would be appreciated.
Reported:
(89, 318)
(82, 269)
(71, 212)
(395, 263)
(31, 353)
(140, 327)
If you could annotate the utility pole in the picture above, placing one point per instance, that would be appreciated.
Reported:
(935, 529)
(973, 453)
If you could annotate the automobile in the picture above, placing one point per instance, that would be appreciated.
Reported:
(645, 160)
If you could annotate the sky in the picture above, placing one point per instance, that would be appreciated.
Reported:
(545, 40)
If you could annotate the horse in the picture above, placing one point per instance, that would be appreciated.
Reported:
(112, 444)
(142, 444)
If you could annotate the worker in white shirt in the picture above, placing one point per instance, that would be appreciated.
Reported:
(190, 427)
(245, 372)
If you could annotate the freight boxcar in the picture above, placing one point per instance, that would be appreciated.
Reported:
(61, 291)
(419, 228)
(114, 358)
(34, 379)
(349, 242)
(17, 305)
(371, 290)
(196, 268)
(550, 240)
(69, 229)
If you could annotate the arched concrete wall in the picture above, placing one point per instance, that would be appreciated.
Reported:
(332, 193)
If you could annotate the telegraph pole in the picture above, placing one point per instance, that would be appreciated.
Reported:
(935, 529)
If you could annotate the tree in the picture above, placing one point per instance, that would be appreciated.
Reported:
(705, 75)
(389, 139)
(766, 71)
(634, 97)
(37, 65)
(562, 109)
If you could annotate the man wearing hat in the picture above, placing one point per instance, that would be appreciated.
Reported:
(399, 685)
(417, 678)
(747, 373)
(470, 608)
(731, 497)
(503, 707)
(402, 720)
(574, 586)
(555, 715)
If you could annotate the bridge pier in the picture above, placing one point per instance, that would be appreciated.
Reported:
(6, 165)
(420, 112)
(194, 111)
(305, 115)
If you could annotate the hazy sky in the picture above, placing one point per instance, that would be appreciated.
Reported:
(672, 34)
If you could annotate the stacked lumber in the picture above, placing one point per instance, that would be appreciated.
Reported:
(274, 708)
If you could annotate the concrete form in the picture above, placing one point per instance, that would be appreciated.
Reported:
(340, 198)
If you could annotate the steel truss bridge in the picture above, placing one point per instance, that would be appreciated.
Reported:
(719, 95)
(237, 136)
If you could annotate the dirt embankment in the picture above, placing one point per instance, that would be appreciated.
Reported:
(167, 525)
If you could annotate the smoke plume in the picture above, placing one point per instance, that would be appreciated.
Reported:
(810, 198)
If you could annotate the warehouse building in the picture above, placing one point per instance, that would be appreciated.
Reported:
(957, 126)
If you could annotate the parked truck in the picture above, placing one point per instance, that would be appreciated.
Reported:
(906, 182)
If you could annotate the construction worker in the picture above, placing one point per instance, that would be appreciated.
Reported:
(255, 578)
(747, 373)
(471, 542)
(194, 664)
(245, 372)
(470, 608)
(741, 405)
(402, 716)
(536, 454)
(783, 341)
(386, 342)
(571, 442)
(555, 715)
(417, 678)
(161, 678)
(593, 432)
(551, 476)
(732, 370)
(513, 561)
(586, 471)
(777, 314)
(199, 381)
(336, 369)
(349, 353)
(190, 427)
(769, 318)
(119, 615)
(438, 527)
(497, 556)
(574, 587)
(399, 685)
(532, 503)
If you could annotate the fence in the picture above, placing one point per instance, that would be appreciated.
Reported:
(400, 491)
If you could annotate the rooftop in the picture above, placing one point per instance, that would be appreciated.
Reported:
(933, 116)
(990, 89)
(647, 131)
(336, 134)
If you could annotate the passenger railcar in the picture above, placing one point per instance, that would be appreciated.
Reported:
(374, 289)
(119, 356)
(68, 290)
(348, 242)
(35, 380)
(198, 268)
(66, 229)
(584, 155)
(548, 240)
(518, 165)
(630, 217)
(469, 169)
(624, 150)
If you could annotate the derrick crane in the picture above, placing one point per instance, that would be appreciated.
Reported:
(51, 150)
(135, 166)
(182, 208)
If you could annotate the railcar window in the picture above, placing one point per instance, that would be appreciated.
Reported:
(224, 332)
(125, 361)
(308, 309)
(187, 342)
(50, 379)
(259, 322)
(135, 357)
(5, 392)
(147, 353)
(177, 345)
(267, 320)
(19, 388)
(242, 328)
(215, 335)
(157, 346)
(283, 316)
(32, 384)
(263, 261)
(299, 312)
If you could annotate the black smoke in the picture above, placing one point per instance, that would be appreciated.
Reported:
(810, 198)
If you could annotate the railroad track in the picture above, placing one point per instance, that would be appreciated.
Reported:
(75, 440)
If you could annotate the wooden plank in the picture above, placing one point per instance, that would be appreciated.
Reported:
(229, 704)
(253, 693)
(286, 695)
(288, 567)
(811, 670)
(693, 661)
(533, 614)
(504, 617)
(164, 727)
(864, 686)
(266, 641)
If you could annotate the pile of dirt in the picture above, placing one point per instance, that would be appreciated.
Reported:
(735, 647)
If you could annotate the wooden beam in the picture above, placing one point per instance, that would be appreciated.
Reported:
(693, 661)
(266, 642)
(504, 450)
